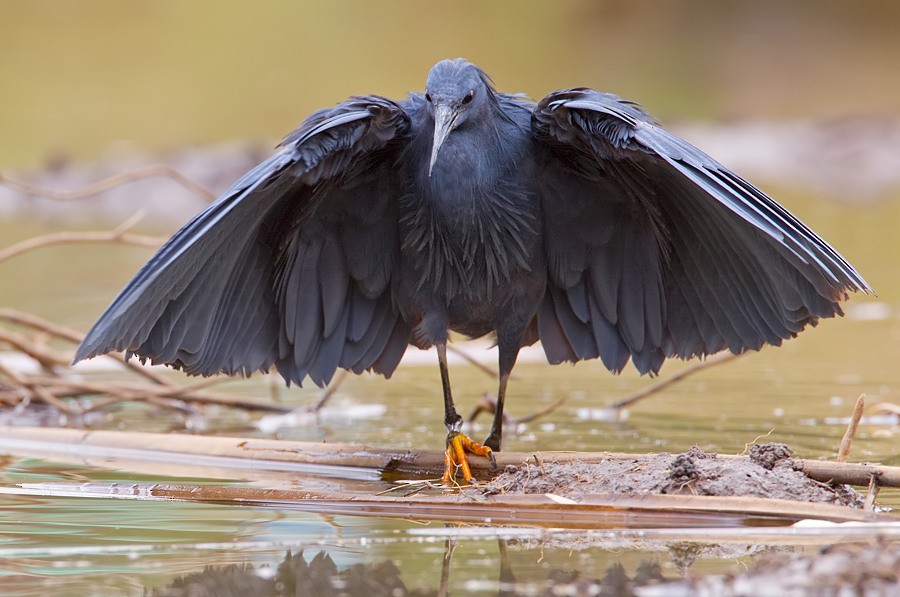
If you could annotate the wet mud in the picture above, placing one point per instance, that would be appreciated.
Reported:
(769, 472)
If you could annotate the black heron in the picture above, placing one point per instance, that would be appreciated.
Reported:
(576, 221)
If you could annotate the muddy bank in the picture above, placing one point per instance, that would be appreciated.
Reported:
(770, 472)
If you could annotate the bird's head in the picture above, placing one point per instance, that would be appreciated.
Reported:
(456, 91)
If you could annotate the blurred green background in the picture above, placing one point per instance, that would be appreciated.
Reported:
(78, 77)
(94, 79)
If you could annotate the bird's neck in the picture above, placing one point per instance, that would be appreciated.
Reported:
(473, 162)
(473, 220)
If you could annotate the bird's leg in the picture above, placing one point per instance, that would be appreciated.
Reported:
(451, 418)
(458, 444)
(509, 352)
(495, 436)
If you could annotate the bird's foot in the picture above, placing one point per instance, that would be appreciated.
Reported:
(455, 458)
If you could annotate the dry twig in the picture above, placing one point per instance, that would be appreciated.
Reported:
(488, 404)
(885, 407)
(339, 378)
(118, 235)
(713, 361)
(57, 383)
(110, 183)
(36, 391)
(47, 359)
(70, 335)
(474, 362)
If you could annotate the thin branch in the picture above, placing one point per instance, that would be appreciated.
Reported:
(339, 378)
(488, 404)
(139, 391)
(46, 358)
(38, 391)
(118, 235)
(474, 362)
(110, 183)
(42, 325)
(713, 361)
(48, 398)
(444, 585)
(591, 511)
(543, 412)
(887, 407)
(36, 323)
(206, 383)
(52, 388)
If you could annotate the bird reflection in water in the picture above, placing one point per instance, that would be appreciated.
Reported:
(321, 577)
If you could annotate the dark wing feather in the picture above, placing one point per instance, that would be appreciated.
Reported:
(289, 268)
(666, 251)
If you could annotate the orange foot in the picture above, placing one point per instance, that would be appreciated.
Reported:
(455, 458)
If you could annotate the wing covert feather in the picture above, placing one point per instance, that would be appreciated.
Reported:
(279, 271)
(682, 257)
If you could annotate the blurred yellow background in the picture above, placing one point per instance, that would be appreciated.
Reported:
(78, 77)
(801, 97)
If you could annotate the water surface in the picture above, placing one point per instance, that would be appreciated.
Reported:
(800, 394)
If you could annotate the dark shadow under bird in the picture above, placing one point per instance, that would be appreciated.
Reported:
(576, 221)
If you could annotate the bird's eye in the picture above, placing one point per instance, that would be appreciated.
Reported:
(428, 97)
(468, 98)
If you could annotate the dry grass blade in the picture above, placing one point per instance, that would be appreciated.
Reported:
(847, 440)
(871, 493)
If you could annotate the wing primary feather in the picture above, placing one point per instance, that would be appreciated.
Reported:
(334, 284)
(553, 339)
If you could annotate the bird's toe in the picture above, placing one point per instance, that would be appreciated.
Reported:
(456, 459)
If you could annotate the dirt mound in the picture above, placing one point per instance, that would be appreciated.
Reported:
(768, 473)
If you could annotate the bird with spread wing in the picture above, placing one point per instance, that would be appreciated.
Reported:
(576, 221)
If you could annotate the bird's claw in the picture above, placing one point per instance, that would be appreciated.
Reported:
(455, 458)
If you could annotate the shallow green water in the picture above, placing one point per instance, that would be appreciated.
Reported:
(82, 77)
(87, 76)
(800, 394)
